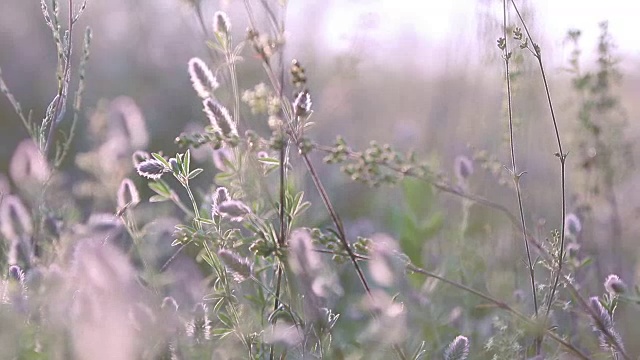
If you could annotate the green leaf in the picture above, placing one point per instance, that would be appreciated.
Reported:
(221, 333)
(157, 198)
(205, 221)
(225, 319)
(161, 159)
(194, 173)
(186, 163)
(269, 161)
(161, 188)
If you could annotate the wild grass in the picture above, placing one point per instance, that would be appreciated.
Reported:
(223, 260)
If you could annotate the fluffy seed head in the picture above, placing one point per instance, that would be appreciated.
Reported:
(603, 325)
(302, 258)
(239, 267)
(302, 104)
(16, 274)
(126, 119)
(202, 78)
(220, 118)
(15, 220)
(169, 303)
(199, 327)
(127, 194)
(601, 314)
(219, 196)
(463, 167)
(152, 169)
(458, 349)
(221, 23)
(614, 285)
(572, 225)
(28, 164)
(235, 210)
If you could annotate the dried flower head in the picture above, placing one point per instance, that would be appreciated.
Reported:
(235, 210)
(239, 267)
(219, 196)
(572, 225)
(458, 349)
(614, 285)
(302, 104)
(463, 168)
(220, 118)
(202, 78)
(152, 169)
(127, 194)
(221, 23)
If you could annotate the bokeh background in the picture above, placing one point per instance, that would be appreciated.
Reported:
(421, 75)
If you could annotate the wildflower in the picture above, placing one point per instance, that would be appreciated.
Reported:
(132, 123)
(202, 78)
(302, 104)
(303, 260)
(139, 156)
(169, 303)
(458, 349)
(240, 268)
(463, 168)
(15, 220)
(220, 118)
(602, 324)
(127, 194)
(572, 225)
(152, 169)
(219, 196)
(382, 260)
(28, 164)
(221, 23)
(614, 285)
(233, 209)
(199, 327)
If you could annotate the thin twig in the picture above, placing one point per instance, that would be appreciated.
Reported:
(514, 172)
(561, 156)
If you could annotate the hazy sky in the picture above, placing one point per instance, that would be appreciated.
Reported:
(433, 25)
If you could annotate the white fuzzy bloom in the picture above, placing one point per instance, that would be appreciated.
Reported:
(221, 23)
(235, 210)
(614, 285)
(220, 118)
(152, 169)
(127, 194)
(202, 78)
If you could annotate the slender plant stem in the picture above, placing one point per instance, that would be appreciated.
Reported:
(60, 100)
(514, 171)
(561, 156)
